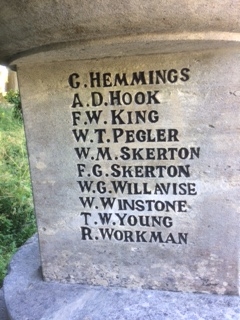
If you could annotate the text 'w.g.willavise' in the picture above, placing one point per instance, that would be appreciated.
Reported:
(133, 163)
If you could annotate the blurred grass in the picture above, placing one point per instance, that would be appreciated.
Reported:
(17, 222)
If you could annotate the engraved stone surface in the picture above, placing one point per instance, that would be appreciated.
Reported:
(135, 169)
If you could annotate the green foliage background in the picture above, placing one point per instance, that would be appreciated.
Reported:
(17, 222)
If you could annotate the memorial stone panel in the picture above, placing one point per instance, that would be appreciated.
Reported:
(135, 169)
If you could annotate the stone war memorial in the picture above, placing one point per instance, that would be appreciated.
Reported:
(131, 113)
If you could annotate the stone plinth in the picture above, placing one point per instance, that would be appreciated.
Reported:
(28, 297)
(134, 169)
(131, 113)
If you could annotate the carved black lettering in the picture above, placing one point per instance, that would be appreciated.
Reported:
(150, 153)
(184, 74)
(129, 136)
(144, 221)
(119, 186)
(170, 238)
(101, 187)
(192, 189)
(100, 133)
(172, 76)
(86, 233)
(76, 117)
(94, 79)
(141, 116)
(172, 135)
(82, 152)
(136, 188)
(117, 133)
(81, 168)
(121, 218)
(85, 185)
(137, 154)
(156, 237)
(97, 99)
(125, 204)
(194, 152)
(76, 101)
(80, 134)
(93, 115)
(182, 205)
(88, 201)
(127, 172)
(103, 152)
(151, 97)
(128, 236)
(127, 98)
(96, 170)
(139, 205)
(105, 217)
(161, 76)
(116, 119)
(120, 80)
(106, 233)
(132, 220)
(138, 78)
(118, 235)
(153, 116)
(72, 80)
(162, 188)
(124, 154)
(157, 221)
(182, 237)
(107, 202)
(140, 236)
(151, 77)
(114, 98)
(107, 82)
(167, 222)
(139, 98)
(115, 172)
(86, 215)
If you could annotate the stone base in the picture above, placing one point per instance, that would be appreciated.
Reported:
(28, 297)
(3, 311)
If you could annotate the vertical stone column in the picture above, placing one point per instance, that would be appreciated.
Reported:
(133, 167)
(12, 82)
(3, 79)
(131, 117)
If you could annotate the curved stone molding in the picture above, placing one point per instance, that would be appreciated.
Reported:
(127, 46)
(82, 29)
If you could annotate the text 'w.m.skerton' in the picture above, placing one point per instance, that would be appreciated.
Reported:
(134, 165)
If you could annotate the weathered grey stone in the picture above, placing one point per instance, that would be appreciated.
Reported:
(154, 132)
(83, 30)
(195, 246)
(3, 309)
(29, 298)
